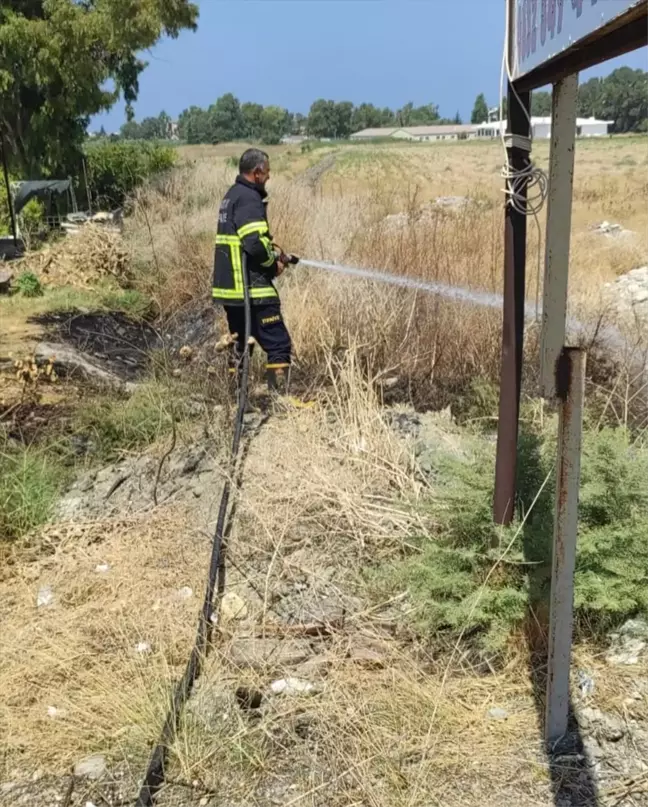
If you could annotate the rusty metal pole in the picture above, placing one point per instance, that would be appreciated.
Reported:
(513, 318)
(570, 389)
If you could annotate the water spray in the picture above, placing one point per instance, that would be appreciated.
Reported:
(608, 334)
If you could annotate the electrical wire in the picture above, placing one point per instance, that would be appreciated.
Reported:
(526, 188)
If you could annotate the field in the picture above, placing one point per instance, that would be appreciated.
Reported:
(425, 684)
(373, 206)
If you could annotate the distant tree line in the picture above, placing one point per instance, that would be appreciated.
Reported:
(227, 120)
(148, 129)
(621, 97)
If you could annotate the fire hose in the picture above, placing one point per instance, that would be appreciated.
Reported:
(155, 773)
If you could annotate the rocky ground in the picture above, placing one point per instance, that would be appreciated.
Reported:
(629, 292)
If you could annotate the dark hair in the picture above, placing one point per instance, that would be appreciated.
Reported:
(251, 160)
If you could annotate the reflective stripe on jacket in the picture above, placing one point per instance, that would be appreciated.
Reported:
(243, 228)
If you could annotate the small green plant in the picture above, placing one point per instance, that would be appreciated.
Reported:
(30, 220)
(478, 404)
(125, 424)
(30, 483)
(29, 285)
(130, 301)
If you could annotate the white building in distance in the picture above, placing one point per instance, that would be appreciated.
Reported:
(451, 131)
(585, 127)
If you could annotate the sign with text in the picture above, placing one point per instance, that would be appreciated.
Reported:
(542, 29)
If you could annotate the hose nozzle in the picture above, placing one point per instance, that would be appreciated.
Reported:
(285, 257)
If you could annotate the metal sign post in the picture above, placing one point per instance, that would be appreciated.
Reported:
(515, 231)
(559, 209)
(570, 389)
(549, 42)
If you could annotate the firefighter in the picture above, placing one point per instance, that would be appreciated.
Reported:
(243, 230)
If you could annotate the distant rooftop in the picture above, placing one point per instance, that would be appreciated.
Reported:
(377, 132)
(546, 120)
(463, 128)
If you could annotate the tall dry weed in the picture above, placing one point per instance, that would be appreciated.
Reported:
(434, 348)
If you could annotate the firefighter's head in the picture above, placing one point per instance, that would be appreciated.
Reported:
(254, 165)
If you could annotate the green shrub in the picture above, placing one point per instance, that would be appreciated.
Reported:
(29, 220)
(612, 561)
(445, 579)
(478, 404)
(115, 169)
(29, 285)
(30, 483)
(5, 221)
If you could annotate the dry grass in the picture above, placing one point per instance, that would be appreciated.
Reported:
(78, 656)
(434, 347)
(325, 492)
(81, 260)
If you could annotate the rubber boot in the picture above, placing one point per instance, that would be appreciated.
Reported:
(278, 379)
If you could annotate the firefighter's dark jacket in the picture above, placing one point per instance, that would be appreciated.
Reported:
(243, 228)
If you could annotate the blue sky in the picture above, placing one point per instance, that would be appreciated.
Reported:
(291, 52)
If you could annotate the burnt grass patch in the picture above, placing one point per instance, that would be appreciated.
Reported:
(122, 345)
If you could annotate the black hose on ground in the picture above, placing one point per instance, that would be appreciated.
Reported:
(155, 773)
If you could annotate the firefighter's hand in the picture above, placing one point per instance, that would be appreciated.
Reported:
(280, 268)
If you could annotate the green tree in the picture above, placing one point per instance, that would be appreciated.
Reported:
(322, 119)
(366, 116)
(131, 130)
(298, 123)
(409, 115)
(457, 119)
(275, 123)
(252, 120)
(343, 115)
(226, 119)
(625, 99)
(62, 61)
(404, 115)
(590, 98)
(194, 125)
(151, 129)
(424, 115)
(164, 121)
(480, 110)
(541, 104)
